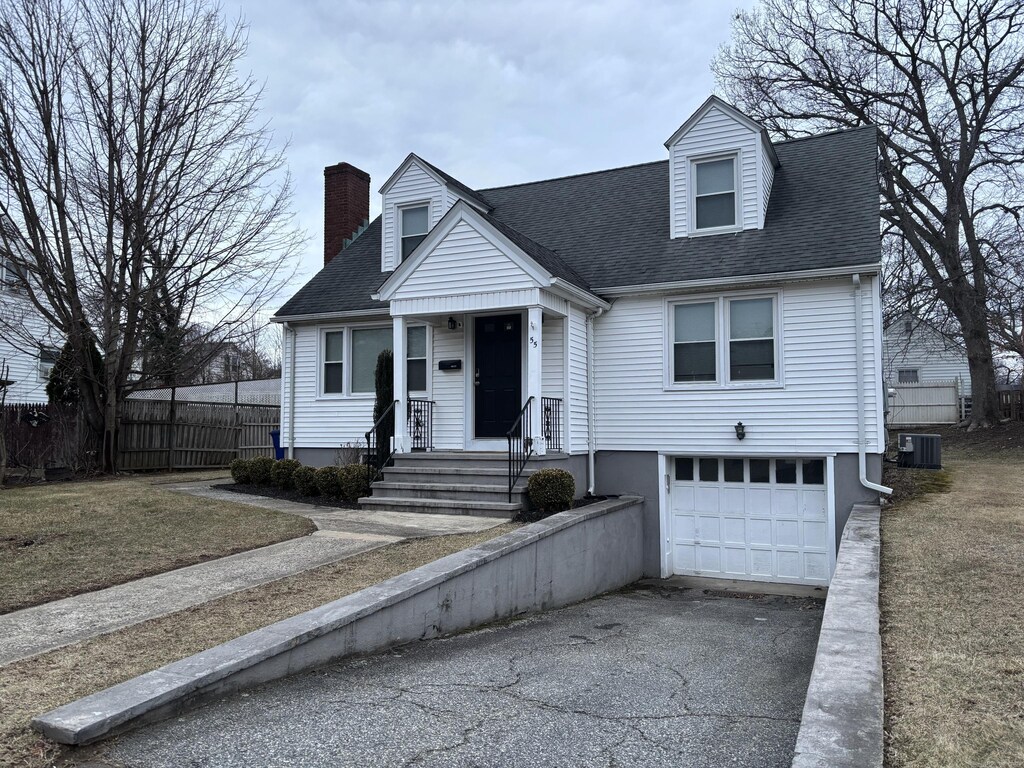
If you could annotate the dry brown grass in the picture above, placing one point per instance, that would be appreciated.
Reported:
(36, 685)
(62, 539)
(953, 618)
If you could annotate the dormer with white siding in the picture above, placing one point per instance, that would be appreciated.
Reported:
(415, 198)
(721, 167)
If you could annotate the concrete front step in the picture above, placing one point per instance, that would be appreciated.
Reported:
(463, 492)
(479, 459)
(442, 506)
(453, 476)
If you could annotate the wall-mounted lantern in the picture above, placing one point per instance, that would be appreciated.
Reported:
(741, 431)
(452, 323)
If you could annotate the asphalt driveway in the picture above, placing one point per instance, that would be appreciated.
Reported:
(647, 677)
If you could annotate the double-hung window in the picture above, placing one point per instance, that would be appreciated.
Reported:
(752, 339)
(694, 342)
(414, 227)
(47, 359)
(334, 363)
(714, 193)
(367, 344)
(745, 352)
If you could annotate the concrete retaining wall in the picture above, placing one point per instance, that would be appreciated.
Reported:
(843, 714)
(561, 560)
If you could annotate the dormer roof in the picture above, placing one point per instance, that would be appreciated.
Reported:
(468, 194)
(714, 101)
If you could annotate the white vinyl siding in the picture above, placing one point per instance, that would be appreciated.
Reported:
(464, 262)
(933, 356)
(449, 388)
(814, 413)
(320, 422)
(553, 359)
(715, 132)
(767, 177)
(23, 333)
(577, 402)
(413, 186)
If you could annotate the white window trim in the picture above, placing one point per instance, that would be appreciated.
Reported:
(347, 393)
(917, 375)
(722, 382)
(693, 162)
(421, 393)
(399, 208)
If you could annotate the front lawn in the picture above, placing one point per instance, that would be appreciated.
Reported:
(62, 539)
(952, 615)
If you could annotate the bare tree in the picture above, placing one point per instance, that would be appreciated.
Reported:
(944, 82)
(137, 185)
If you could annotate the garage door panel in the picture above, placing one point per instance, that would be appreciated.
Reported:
(709, 529)
(786, 502)
(735, 559)
(734, 530)
(774, 530)
(734, 501)
(815, 535)
(789, 564)
(684, 528)
(761, 531)
(706, 499)
(761, 562)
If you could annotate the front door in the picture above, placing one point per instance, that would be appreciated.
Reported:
(498, 380)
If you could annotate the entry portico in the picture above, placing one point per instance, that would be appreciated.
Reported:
(508, 330)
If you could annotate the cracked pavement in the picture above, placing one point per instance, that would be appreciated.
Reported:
(646, 677)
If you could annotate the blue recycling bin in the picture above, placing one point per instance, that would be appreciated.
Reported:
(275, 435)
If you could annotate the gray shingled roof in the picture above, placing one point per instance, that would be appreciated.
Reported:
(465, 191)
(611, 228)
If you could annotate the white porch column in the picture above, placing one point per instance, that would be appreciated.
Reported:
(534, 350)
(401, 438)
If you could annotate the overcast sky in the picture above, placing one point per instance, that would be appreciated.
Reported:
(492, 92)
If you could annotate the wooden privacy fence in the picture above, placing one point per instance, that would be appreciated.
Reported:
(1012, 402)
(172, 434)
(930, 402)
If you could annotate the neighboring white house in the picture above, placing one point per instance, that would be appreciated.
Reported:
(914, 352)
(28, 345)
(706, 329)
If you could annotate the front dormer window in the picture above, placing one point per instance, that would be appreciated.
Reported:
(714, 193)
(414, 227)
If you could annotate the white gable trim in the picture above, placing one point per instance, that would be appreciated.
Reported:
(462, 212)
(714, 101)
(413, 159)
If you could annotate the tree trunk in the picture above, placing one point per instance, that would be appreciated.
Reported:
(985, 407)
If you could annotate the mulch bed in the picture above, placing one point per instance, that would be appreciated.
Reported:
(533, 515)
(273, 492)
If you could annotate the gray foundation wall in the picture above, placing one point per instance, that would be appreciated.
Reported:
(636, 473)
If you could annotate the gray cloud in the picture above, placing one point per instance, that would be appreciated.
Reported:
(492, 92)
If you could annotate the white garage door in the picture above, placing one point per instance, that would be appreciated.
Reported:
(750, 518)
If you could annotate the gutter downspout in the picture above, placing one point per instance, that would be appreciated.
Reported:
(858, 314)
(291, 390)
(591, 481)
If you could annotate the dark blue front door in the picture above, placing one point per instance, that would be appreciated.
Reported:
(498, 382)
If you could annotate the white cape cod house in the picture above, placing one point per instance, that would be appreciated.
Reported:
(703, 331)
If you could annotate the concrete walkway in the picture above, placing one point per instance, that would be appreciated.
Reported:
(343, 533)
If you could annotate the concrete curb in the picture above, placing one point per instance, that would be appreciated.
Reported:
(843, 715)
(558, 561)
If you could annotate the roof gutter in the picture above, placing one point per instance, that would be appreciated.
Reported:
(717, 282)
(339, 315)
(581, 295)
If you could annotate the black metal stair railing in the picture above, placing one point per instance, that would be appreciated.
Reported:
(551, 422)
(421, 424)
(379, 450)
(520, 445)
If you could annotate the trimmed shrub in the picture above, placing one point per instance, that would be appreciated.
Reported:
(352, 480)
(241, 471)
(327, 481)
(283, 472)
(260, 470)
(551, 490)
(304, 479)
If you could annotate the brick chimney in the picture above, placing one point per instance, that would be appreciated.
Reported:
(346, 205)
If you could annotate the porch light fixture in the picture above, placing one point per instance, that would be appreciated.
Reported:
(452, 324)
(741, 431)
